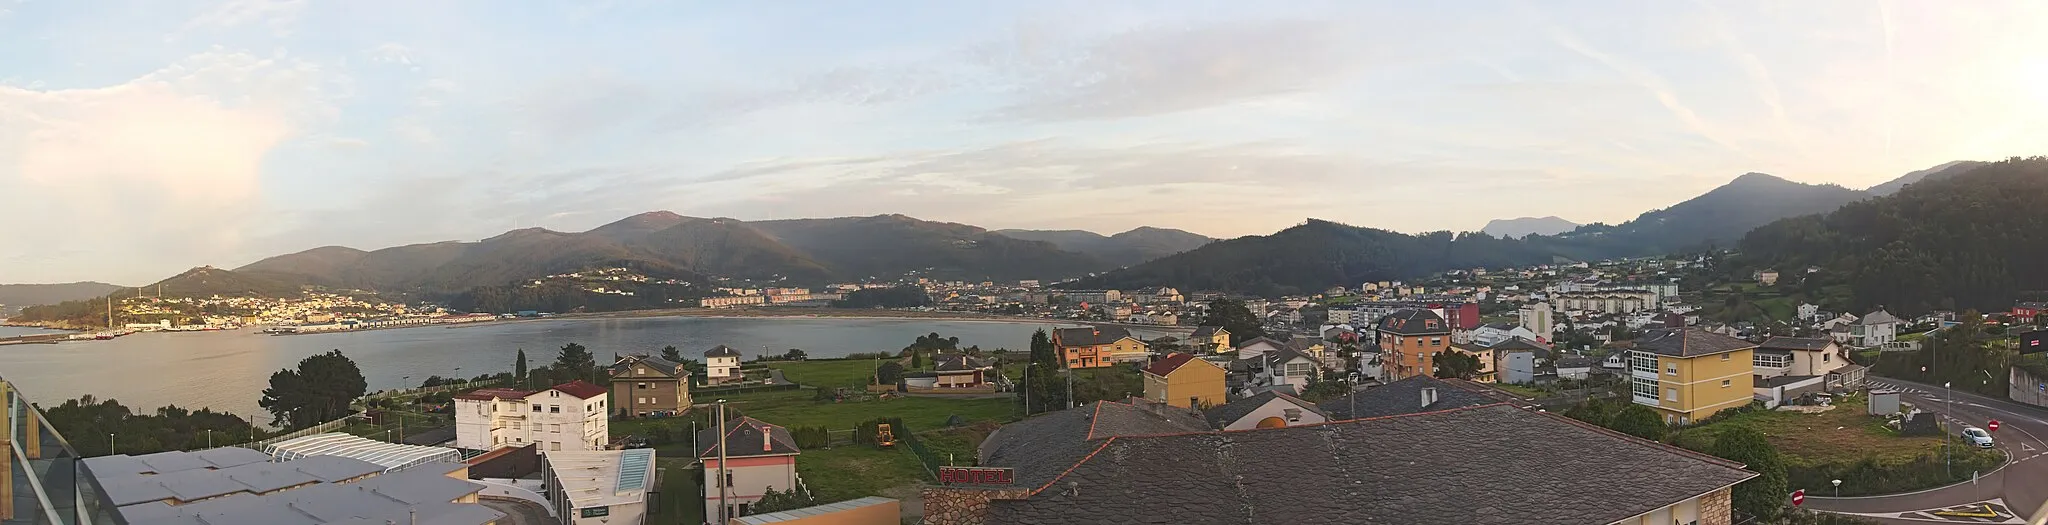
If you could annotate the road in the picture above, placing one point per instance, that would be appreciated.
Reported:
(1999, 497)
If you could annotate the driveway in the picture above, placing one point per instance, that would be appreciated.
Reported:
(2001, 496)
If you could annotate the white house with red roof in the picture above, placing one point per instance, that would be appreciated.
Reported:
(568, 416)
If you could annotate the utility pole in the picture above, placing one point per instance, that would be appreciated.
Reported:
(722, 517)
(1027, 390)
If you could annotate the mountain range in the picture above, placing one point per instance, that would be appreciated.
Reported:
(669, 245)
(15, 296)
(1526, 226)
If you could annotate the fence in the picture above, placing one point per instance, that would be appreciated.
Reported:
(315, 429)
(705, 392)
(930, 461)
(382, 394)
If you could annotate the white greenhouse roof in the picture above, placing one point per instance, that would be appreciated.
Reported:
(391, 456)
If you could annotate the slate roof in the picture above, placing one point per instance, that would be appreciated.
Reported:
(1147, 419)
(1231, 412)
(1878, 317)
(743, 439)
(721, 351)
(1205, 332)
(415, 496)
(1519, 344)
(487, 394)
(1261, 339)
(1089, 336)
(1166, 365)
(1401, 397)
(1688, 342)
(1578, 362)
(1795, 343)
(1413, 321)
(1043, 446)
(1509, 467)
(957, 363)
(581, 389)
(666, 367)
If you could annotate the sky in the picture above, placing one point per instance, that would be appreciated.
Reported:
(140, 138)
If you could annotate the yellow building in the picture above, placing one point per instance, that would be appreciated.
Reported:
(1098, 347)
(1212, 338)
(1486, 372)
(1182, 380)
(1688, 374)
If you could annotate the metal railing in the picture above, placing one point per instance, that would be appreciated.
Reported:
(315, 429)
(450, 387)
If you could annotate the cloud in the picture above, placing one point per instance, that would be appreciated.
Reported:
(392, 53)
(169, 164)
(278, 15)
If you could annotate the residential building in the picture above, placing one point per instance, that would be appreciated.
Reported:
(644, 385)
(758, 457)
(569, 416)
(1409, 340)
(1688, 374)
(722, 365)
(1808, 311)
(1576, 368)
(1874, 329)
(1523, 361)
(1265, 410)
(1291, 368)
(1255, 348)
(1493, 334)
(1767, 277)
(962, 371)
(599, 487)
(1798, 357)
(1488, 361)
(731, 301)
(1183, 381)
(1092, 297)
(1161, 295)
(1537, 317)
(1066, 468)
(2024, 312)
(1607, 302)
(1210, 338)
(1098, 347)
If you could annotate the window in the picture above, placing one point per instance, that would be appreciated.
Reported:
(1644, 388)
(643, 371)
(1436, 341)
(1725, 383)
(1772, 360)
(536, 408)
(642, 386)
(1670, 394)
(1643, 363)
(554, 445)
(554, 409)
(1671, 369)
(1826, 357)
(515, 425)
(555, 428)
(1724, 357)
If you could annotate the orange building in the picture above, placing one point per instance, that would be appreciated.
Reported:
(1098, 347)
(1409, 340)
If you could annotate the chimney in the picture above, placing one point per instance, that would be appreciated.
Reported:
(1428, 396)
(1195, 402)
(766, 444)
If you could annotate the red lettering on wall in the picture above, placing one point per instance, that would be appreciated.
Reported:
(975, 475)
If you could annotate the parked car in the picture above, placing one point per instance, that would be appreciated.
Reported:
(1977, 436)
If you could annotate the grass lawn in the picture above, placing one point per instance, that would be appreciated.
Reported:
(828, 374)
(794, 408)
(958, 445)
(680, 495)
(1781, 308)
(1842, 434)
(857, 471)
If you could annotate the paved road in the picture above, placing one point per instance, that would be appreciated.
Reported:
(518, 511)
(2000, 497)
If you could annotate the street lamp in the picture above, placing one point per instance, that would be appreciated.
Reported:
(209, 438)
(1838, 488)
(110, 443)
(1947, 455)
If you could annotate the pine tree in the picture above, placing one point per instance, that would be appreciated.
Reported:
(519, 367)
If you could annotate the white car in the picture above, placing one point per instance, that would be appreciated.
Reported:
(1977, 436)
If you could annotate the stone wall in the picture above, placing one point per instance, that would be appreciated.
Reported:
(2027, 388)
(1716, 508)
(952, 506)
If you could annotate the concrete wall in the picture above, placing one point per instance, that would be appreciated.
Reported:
(2028, 388)
(506, 463)
(473, 424)
(635, 394)
(750, 478)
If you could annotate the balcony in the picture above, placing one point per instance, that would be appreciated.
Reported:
(45, 480)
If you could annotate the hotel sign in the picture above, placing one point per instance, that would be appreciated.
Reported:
(975, 476)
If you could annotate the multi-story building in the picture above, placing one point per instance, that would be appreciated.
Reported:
(1098, 347)
(1211, 339)
(645, 385)
(1875, 329)
(1160, 295)
(1093, 297)
(1688, 374)
(722, 365)
(2024, 312)
(1537, 317)
(1183, 381)
(1409, 340)
(1487, 361)
(1610, 302)
(599, 487)
(731, 301)
(569, 416)
(758, 457)
(1798, 356)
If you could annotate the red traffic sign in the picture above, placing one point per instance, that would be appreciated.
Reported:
(1993, 426)
(1798, 497)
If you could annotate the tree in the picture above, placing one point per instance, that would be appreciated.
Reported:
(1325, 387)
(1233, 316)
(1042, 351)
(1762, 497)
(916, 358)
(519, 366)
(888, 373)
(794, 354)
(319, 390)
(670, 353)
(1639, 421)
(575, 363)
(1457, 365)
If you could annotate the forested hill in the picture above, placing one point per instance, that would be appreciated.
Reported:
(1316, 255)
(1974, 240)
(1719, 217)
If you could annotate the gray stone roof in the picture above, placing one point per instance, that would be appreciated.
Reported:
(1231, 412)
(1090, 336)
(1688, 342)
(1041, 447)
(1401, 397)
(667, 367)
(1509, 467)
(1878, 317)
(1795, 343)
(1205, 332)
(956, 363)
(721, 351)
(1578, 362)
(743, 439)
(1413, 321)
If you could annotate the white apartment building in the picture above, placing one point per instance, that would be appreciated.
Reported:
(569, 416)
(1537, 317)
(722, 365)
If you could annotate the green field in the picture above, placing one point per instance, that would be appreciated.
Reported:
(828, 374)
(679, 491)
(856, 471)
(795, 408)
(1846, 444)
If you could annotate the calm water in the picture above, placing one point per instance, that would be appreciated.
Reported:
(229, 370)
(16, 331)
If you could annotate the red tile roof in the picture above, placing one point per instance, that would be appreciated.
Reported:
(487, 394)
(1168, 364)
(581, 389)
